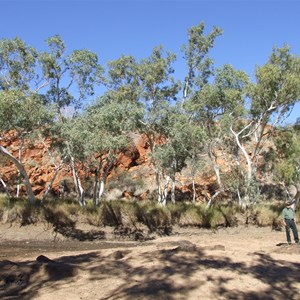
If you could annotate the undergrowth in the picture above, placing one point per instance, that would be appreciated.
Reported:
(137, 219)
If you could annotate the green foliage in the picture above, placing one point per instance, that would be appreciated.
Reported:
(265, 214)
(132, 218)
(21, 112)
(278, 85)
(17, 64)
(287, 162)
(198, 215)
(191, 216)
(47, 92)
(196, 54)
(18, 210)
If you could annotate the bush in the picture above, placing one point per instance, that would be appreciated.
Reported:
(110, 213)
(18, 210)
(191, 216)
(155, 217)
(264, 215)
(229, 214)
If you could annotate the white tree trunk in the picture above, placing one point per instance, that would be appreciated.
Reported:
(173, 190)
(51, 182)
(77, 183)
(215, 166)
(164, 191)
(22, 171)
(5, 188)
(159, 194)
(95, 187)
(208, 205)
(101, 189)
(20, 160)
(194, 190)
(101, 183)
(248, 160)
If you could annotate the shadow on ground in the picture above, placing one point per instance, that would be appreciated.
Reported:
(63, 225)
(161, 274)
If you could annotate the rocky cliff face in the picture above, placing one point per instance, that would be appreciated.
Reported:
(132, 175)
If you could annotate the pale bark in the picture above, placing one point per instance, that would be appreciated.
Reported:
(5, 188)
(51, 182)
(194, 190)
(208, 205)
(77, 183)
(248, 160)
(164, 190)
(215, 166)
(173, 190)
(99, 185)
(22, 171)
(95, 187)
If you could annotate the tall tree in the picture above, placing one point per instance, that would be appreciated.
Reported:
(72, 78)
(211, 107)
(158, 89)
(21, 108)
(198, 62)
(146, 89)
(103, 128)
(272, 96)
(183, 141)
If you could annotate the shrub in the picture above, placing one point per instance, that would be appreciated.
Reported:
(264, 215)
(155, 217)
(176, 211)
(212, 218)
(19, 210)
(110, 213)
(229, 214)
(191, 216)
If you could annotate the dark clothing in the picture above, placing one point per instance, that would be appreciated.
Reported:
(290, 224)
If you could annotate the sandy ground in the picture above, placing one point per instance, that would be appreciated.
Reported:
(235, 263)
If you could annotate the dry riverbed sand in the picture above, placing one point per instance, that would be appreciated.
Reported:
(191, 263)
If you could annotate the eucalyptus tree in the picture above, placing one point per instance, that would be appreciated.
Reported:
(196, 54)
(103, 127)
(71, 78)
(22, 109)
(199, 72)
(158, 92)
(287, 160)
(183, 141)
(211, 108)
(146, 88)
(125, 89)
(272, 96)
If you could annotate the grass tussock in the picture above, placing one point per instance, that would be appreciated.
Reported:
(135, 220)
(266, 214)
(18, 210)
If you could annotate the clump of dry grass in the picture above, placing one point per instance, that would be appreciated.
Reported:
(156, 217)
(130, 218)
(191, 215)
(265, 215)
(18, 210)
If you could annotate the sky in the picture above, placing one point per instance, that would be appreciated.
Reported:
(112, 28)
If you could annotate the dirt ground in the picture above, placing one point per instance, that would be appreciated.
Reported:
(235, 263)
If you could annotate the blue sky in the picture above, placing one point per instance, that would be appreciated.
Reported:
(112, 28)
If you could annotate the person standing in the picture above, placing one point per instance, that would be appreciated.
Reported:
(288, 216)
